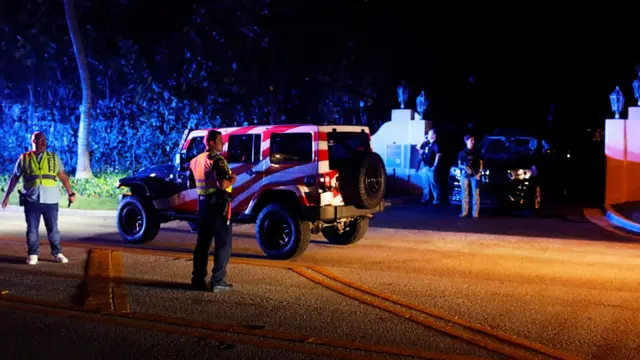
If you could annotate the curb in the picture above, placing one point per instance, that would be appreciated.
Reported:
(65, 211)
(599, 218)
(620, 221)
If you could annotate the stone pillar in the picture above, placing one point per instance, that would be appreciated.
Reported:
(615, 152)
(632, 156)
(395, 141)
(622, 150)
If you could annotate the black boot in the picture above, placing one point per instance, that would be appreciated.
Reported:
(199, 286)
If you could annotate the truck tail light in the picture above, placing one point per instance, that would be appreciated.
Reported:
(325, 180)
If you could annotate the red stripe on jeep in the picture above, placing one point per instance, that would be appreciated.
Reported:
(239, 131)
(266, 134)
(244, 204)
(237, 190)
(323, 155)
(252, 181)
(190, 206)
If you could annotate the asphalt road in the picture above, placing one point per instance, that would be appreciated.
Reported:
(422, 283)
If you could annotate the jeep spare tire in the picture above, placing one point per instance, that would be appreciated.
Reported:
(363, 183)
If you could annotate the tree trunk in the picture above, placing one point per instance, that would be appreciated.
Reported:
(83, 165)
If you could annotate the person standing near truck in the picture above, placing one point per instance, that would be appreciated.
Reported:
(430, 157)
(470, 164)
(39, 170)
(213, 181)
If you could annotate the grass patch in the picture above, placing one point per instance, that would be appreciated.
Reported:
(81, 203)
(99, 193)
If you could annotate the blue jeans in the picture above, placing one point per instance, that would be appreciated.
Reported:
(49, 212)
(474, 184)
(430, 186)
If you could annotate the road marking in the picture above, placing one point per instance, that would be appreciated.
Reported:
(464, 335)
(97, 290)
(435, 313)
(512, 340)
(102, 292)
(193, 328)
(120, 298)
(299, 268)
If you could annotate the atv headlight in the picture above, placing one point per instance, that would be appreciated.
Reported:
(520, 174)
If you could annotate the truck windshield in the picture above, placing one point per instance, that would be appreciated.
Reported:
(508, 146)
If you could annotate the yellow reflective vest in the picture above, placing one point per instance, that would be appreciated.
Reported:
(39, 173)
(203, 168)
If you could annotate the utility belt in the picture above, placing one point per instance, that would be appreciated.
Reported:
(220, 200)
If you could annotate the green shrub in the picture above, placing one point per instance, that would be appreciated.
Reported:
(103, 186)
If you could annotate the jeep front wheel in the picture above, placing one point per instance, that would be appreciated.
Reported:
(136, 220)
(352, 232)
(280, 234)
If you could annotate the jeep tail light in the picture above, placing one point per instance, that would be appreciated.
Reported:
(326, 179)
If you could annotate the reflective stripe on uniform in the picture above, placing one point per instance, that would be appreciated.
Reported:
(197, 166)
(43, 173)
(35, 177)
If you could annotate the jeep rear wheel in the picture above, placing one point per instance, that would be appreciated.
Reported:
(352, 232)
(280, 234)
(363, 185)
(136, 220)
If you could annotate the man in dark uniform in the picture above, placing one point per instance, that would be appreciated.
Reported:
(430, 157)
(470, 164)
(213, 180)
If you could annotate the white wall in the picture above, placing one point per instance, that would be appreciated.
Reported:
(395, 141)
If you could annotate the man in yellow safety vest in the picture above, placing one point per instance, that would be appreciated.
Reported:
(213, 180)
(39, 169)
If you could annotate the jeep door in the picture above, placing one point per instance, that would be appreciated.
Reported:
(291, 162)
(243, 155)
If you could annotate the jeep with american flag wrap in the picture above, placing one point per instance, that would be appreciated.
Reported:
(293, 181)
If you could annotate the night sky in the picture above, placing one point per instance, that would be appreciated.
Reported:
(521, 58)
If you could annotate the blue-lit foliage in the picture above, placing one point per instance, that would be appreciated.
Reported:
(224, 65)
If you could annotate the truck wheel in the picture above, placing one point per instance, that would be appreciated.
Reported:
(136, 220)
(353, 232)
(280, 234)
(363, 186)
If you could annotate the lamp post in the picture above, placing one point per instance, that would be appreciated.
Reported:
(403, 93)
(617, 102)
(636, 89)
(421, 104)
